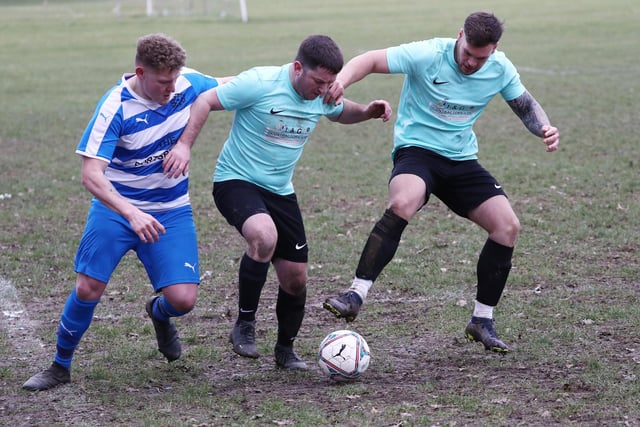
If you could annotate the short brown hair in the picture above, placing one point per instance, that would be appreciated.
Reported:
(320, 51)
(482, 29)
(160, 52)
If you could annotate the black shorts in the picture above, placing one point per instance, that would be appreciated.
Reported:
(461, 185)
(237, 200)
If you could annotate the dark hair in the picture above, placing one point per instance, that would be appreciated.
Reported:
(320, 51)
(160, 52)
(482, 29)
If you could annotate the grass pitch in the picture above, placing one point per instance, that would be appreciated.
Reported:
(571, 305)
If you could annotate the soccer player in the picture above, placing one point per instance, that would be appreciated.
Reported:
(276, 110)
(138, 176)
(448, 83)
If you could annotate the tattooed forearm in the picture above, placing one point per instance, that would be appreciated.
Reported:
(530, 112)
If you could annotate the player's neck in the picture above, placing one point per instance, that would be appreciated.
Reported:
(134, 85)
(293, 78)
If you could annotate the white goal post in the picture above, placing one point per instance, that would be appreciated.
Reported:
(243, 10)
(244, 14)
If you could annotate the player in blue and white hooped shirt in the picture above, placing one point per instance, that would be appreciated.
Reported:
(138, 175)
(276, 110)
(448, 83)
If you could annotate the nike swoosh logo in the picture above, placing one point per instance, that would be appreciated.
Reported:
(436, 82)
(274, 111)
(498, 186)
(298, 246)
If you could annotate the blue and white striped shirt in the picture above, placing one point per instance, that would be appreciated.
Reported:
(134, 135)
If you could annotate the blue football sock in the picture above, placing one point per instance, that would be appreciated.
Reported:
(162, 310)
(74, 322)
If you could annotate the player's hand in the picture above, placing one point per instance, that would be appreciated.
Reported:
(551, 137)
(379, 109)
(177, 161)
(146, 226)
(334, 94)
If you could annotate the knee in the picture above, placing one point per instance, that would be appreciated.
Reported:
(183, 301)
(295, 284)
(510, 230)
(298, 287)
(513, 228)
(262, 246)
(89, 289)
(403, 207)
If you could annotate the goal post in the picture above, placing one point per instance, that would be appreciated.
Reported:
(150, 11)
(243, 10)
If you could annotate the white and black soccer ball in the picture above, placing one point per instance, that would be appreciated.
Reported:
(344, 355)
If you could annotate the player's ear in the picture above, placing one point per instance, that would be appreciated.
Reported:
(139, 71)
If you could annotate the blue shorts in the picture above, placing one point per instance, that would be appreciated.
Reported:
(108, 237)
(462, 185)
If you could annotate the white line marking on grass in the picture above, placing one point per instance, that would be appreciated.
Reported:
(14, 319)
(16, 322)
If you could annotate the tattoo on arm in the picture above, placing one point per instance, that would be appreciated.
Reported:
(530, 112)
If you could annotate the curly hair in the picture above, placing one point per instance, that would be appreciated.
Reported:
(482, 29)
(160, 52)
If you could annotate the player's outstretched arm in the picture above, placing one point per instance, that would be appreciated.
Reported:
(535, 119)
(178, 159)
(373, 61)
(354, 112)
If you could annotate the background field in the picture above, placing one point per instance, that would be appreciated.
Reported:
(570, 310)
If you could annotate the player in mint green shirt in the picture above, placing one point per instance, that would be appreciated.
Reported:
(448, 84)
(276, 110)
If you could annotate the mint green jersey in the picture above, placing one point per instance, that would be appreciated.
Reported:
(439, 105)
(271, 126)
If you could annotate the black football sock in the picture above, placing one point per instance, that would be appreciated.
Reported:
(494, 265)
(251, 278)
(381, 245)
(290, 312)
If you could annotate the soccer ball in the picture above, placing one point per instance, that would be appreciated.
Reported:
(344, 355)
